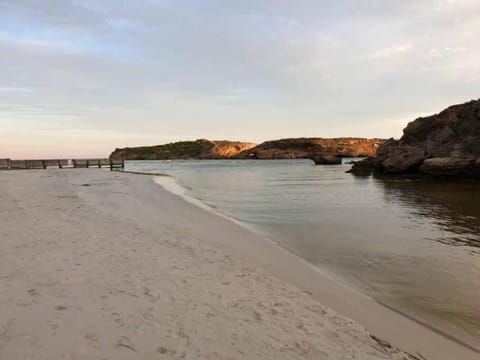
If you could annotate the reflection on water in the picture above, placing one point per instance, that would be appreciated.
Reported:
(411, 243)
(453, 205)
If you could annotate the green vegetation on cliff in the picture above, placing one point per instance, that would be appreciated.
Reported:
(298, 148)
(198, 149)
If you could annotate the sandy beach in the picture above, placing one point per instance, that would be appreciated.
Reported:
(108, 265)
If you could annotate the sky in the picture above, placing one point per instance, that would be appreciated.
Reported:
(79, 78)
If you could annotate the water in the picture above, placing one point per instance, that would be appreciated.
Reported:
(413, 244)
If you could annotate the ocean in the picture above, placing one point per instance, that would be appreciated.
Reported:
(410, 243)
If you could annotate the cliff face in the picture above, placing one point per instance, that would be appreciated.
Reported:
(447, 143)
(311, 147)
(279, 149)
(199, 149)
(227, 149)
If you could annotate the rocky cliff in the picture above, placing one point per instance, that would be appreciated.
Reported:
(445, 144)
(199, 149)
(300, 148)
(311, 147)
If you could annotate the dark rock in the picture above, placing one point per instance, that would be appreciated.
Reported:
(326, 159)
(400, 159)
(447, 144)
(449, 167)
(384, 149)
(363, 167)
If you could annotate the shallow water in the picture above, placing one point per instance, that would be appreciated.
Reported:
(413, 244)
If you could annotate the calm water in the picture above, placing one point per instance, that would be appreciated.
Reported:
(411, 243)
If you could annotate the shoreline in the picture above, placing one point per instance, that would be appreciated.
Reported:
(170, 184)
(166, 249)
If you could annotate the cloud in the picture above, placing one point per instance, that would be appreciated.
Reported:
(448, 51)
(235, 69)
(15, 91)
(54, 12)
(32, 42)
(392, 50)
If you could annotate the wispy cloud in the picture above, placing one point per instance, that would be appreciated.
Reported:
(447, 51)
(391, 51)
(35, 42)
(15, 91)
(237, 69)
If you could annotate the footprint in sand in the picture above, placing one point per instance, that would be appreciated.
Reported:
(152, 295)
(92, 337)
(33, 292)
(118, 319)
(80, 352)
(125, 343)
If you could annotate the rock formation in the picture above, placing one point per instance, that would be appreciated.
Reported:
(303, 148)
(445, 144)
(326, 159)
(199, 149)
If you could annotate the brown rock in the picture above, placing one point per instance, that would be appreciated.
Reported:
(326, 159)
(300, 148)
(448, 167)
(364, 167)
(443, 144)
(198, 149)
(403, 159)
(305, 148)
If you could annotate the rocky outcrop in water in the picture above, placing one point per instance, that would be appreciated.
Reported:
(310, 148)
(199, 149)
(445, 144)
(326, 159)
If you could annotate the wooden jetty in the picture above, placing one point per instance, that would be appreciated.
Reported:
(8, 164)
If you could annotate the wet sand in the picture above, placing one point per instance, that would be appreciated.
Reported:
(106, 265)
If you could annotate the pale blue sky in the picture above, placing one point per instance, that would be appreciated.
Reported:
(79, 78)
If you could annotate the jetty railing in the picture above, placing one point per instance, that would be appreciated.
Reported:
(8, 164)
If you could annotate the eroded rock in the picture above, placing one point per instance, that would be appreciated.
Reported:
(326, 159)
(445, 144)
(449, 167)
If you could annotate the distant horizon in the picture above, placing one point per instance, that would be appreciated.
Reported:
(36, 157)
(148, 144)
(80, 79)
(39, 155)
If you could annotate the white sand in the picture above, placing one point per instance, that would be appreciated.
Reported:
(123, 269)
